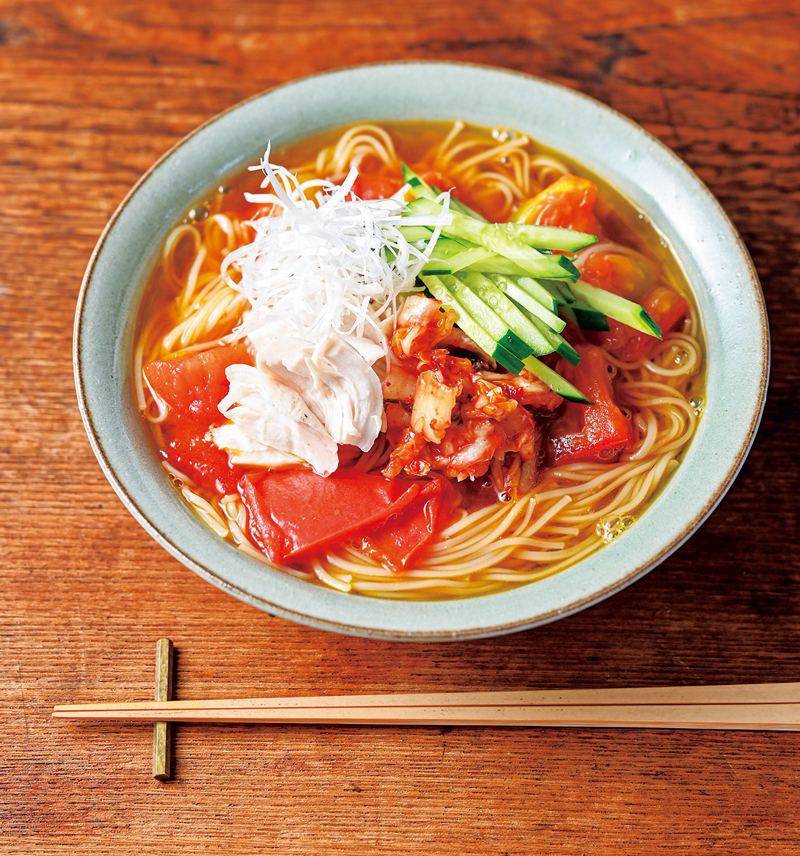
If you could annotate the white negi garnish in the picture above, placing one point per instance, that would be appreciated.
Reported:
(324, 272)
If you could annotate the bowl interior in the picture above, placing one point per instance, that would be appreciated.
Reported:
(707, 246)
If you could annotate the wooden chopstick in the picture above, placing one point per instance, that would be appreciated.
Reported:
(750, 707)
(162, 737)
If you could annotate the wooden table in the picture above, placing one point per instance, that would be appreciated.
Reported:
(91, 94)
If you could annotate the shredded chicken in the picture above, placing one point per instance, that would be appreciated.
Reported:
(269, 417)
(303, 401)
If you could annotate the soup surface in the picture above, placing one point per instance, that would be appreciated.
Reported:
(392, 454)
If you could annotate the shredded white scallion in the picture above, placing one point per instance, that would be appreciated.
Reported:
(325, 261)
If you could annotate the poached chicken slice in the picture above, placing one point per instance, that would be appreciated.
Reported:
(299, 403)
(337, 384)
(269, 417)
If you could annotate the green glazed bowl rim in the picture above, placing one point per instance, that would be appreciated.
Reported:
(714, 258)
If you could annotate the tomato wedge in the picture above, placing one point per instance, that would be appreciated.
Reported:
(627, 274)
(403, 535)
(567, 202)
(296, 512)
(376, 186)
(188, 449)
(439, 181)
(595, 432)
(193, 386)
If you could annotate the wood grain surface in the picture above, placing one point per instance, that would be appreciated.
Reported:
(91, 94)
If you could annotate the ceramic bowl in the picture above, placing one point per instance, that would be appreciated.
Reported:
(713, 256)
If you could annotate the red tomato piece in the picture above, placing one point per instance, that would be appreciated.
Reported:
(189, 451)
(589, 432)
(376, 186)
(193, 386)
(296, 512)
(439, 181)
(615, 338)
(626, 274)
(404, 534)
(567, 202)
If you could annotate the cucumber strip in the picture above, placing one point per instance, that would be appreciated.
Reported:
(472, 328)
(616, 307)
(562, 296)
(527, 326)
(416, 233)
(450, 255)
(548, 237)
(489, 294)
(446, 248)
(423, 189)
(466, 228)
(555, 341)
(468, 259)
(554, 380)
(447, 258)
(417, 185)
(539, 293)
(477, 259)
(563, 348)
(521, 296)
(438, 288)
(488, 317)
(585, 317)
(485, 261)
(536, 236)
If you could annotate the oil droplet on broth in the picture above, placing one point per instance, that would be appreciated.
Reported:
(197, 214)
(610, 528)
(698, 405)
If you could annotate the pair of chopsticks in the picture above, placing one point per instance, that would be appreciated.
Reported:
(759, 707)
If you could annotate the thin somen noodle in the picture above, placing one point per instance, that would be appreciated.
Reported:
(496, 540)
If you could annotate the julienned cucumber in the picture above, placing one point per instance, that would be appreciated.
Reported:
(417, 233)
(484, 312)
(451, 254)
(499, 241)
(548, 237)
(527, 293)
(585, 317)
(478, 335)
(422, 188)
(442, 289)
(472, 257)
(542, 238)
(534, 235)
(554, 380)
(487, 293)
(616, 307)
(527, 326)
(506, 286)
